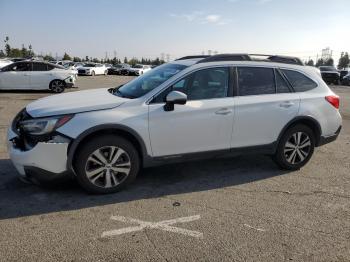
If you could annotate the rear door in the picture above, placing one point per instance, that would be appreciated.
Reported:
(16, 76)
(40, 76)
(264, 104)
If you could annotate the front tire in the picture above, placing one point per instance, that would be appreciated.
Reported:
(106, 164)
(57, 86)
(295, 148)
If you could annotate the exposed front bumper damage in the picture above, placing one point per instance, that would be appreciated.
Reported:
(47, 157)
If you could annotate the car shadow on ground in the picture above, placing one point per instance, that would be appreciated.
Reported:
(18, 199)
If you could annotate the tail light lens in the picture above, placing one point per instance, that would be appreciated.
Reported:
(333, 100)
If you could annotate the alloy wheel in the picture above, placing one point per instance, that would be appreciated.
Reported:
(57, 86)
(297, 148)
(108, 166)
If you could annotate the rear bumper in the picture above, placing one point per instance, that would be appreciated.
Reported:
(328, 139)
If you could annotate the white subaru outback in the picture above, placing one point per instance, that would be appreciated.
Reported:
(193, 107)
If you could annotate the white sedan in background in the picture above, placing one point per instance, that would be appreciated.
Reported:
(5, 62)
(92, 69)
(139, 69)
(32, 75)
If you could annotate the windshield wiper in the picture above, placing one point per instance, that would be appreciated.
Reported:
(123, 95)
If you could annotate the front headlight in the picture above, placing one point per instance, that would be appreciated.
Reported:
(43, 126)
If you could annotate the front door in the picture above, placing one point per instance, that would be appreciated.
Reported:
(203, 124)
(16, 76)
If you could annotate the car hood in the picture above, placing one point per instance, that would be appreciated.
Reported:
(74, 102)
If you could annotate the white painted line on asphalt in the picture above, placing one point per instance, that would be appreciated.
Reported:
(162, 225)
(258, 229)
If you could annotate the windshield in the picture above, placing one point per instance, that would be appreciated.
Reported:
(147, 82)
(137, 66)
(327, 68)
(89, 65)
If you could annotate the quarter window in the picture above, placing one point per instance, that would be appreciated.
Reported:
(299, 81)
(256, 81)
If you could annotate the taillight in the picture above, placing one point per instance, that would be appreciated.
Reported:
(333, 100)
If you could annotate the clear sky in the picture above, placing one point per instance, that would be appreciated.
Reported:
(176, 27)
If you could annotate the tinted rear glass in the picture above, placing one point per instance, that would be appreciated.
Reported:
(39, 67)
(299, 81)
(256, 81)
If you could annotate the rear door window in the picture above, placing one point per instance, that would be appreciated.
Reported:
(39, 67)
(256, 81)
(299, 81)
(281, 84)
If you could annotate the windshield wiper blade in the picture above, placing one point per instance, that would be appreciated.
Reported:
(124, 95)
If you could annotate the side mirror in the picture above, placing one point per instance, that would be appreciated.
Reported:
(174, 98)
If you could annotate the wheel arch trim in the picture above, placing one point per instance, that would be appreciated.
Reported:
(303, 119)
(100, 128)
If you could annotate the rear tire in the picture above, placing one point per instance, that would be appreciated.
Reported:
(295, 147)
(106, 164)
(57, 86)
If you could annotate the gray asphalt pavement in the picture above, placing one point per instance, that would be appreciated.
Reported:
(232, 209)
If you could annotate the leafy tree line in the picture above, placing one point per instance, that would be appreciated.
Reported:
(344, 61)
(28, 53)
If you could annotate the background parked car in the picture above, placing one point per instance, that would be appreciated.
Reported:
(139, 69)
(343, 73)
(330, 75)
(108, 66)
(346, 80)
(31, 75)
(117, 69)
(92, 69)
(5, 62)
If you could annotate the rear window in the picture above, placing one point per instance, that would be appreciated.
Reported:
(299, 81)
(256, 81)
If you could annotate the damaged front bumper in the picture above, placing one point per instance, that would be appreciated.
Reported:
(45, 161)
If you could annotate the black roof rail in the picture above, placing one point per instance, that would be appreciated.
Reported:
(251, 57)
(192, 57)
(285, 59)
(226, 57)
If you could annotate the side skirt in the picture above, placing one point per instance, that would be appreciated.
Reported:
(268, 149)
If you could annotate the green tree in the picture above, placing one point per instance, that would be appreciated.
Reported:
(15, 52)
(310, 62)
(320, 62)
(31, 53)
(48, 58)
(7, 46)
(125, 60)
(76, 59)
(66, 57)
(329, 62)
(344, 61)
(2, 54)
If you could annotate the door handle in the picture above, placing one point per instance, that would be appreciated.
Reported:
(223, 111)
(286, 104)
(26, 74)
